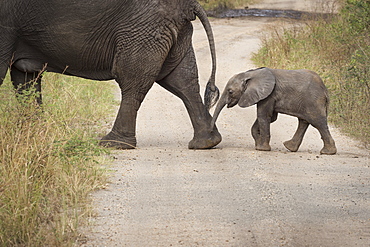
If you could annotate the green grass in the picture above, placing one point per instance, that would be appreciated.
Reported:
(50, 160)
(339, 50)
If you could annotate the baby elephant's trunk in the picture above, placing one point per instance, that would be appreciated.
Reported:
(221, 104)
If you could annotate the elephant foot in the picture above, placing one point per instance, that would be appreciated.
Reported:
(291, 146)
(205, 142)
(263, 147)
(114, 141)
(329, 150)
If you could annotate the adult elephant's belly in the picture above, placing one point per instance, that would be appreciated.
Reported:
(30, 59)
(29, 65)
(34, 66)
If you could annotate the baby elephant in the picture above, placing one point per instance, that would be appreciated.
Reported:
(299, 93)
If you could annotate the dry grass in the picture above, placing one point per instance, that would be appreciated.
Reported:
(339, 50)
(49, 160)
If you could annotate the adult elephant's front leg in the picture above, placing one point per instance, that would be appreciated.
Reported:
(123, 134)
(23, 82)
(183, 82)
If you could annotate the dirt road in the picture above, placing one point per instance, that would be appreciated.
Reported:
(163, 194)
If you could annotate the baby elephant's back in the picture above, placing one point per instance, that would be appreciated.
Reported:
(301, 90)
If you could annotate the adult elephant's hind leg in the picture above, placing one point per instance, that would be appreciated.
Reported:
(183, 82)
(294, 143)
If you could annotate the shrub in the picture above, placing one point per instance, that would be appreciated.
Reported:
(49, 160)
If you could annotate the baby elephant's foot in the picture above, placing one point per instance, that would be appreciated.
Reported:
(291, 145)
(263, 147)
(329, 150)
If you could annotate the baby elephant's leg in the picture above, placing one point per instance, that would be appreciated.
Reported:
(261, 127)
(321, 124)
(261, 130)
(293, 144)
(263, 140)
(256, 132)
(260, 142)
(329, 144)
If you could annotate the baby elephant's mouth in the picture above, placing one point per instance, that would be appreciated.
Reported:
(232, 103)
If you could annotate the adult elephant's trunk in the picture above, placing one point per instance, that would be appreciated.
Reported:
(221, 104)
(212, 93)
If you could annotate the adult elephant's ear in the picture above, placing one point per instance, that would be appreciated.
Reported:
(259, 84)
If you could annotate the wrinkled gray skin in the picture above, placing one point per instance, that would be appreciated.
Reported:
(135, 42)
(299, 93)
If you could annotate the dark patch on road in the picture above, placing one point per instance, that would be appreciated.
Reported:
(274, 13)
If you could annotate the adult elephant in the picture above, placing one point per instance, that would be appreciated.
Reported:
(135, 42)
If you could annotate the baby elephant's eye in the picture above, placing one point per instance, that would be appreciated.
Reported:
(231, 91)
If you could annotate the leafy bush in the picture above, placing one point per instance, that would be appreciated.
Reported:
(49, 160)
(356, 14)
(339, 50)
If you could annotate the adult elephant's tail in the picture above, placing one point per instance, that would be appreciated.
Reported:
(211, 93)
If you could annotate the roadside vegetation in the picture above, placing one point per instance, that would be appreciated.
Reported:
(338, 48)
(50, 160)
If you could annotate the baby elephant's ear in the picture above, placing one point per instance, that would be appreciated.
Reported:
(259, 85)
